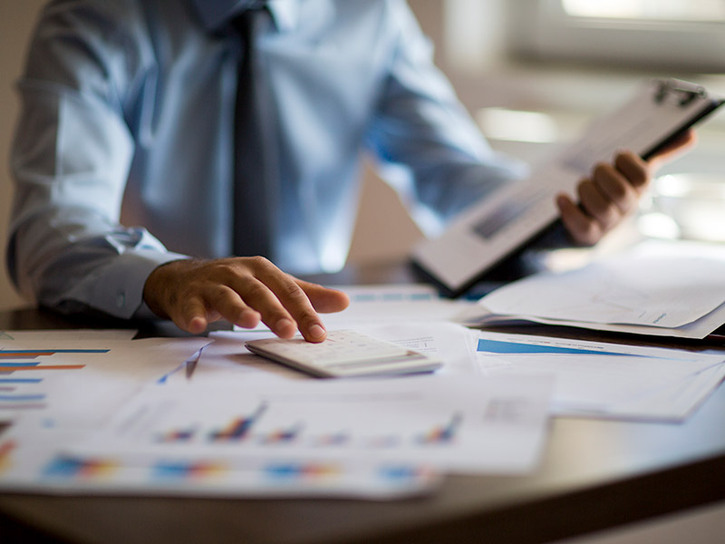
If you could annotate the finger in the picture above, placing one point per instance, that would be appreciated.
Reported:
(595, 203)
(257, 294)
(677, 146)
(295, 300)
(324, 299)
(615, 186)
(635, 170)
(191, 316)
(582, 228)
(223, 301)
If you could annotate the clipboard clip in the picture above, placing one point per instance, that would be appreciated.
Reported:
(686, 91)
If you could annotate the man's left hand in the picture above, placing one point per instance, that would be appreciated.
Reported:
(612, 192)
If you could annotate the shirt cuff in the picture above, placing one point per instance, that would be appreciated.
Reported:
(120, 286)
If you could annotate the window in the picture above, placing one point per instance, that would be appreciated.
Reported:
(673, 34)
(666, 10)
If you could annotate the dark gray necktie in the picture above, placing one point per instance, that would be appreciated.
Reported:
(255, 167)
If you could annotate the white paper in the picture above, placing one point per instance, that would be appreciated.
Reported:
(72, 336)
(653, 288)
(696, 330)
(382, 304)
(30, 461)
(227, 360)
(413, 316)
(104, 371)
(61, 380)
(607, 380)
(650, 291)
(451, 343)
(459, 424)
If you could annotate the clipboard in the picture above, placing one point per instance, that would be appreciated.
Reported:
(504, 222)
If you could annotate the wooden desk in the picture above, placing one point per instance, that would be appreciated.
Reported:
(593, 475)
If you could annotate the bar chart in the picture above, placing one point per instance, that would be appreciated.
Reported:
(23, 372)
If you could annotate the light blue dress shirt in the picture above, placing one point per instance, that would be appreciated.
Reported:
(123, 156)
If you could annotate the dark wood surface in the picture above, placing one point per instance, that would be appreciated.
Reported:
(594, 474)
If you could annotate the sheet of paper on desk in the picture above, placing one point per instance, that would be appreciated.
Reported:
(697, 330)
(61, 379)
(228, 359)
(56, 336)
(607, 380)
(109, 369)
(668, 294)
(30, 461)
(414, 316)
(376, 304)
(452, 343)
(457, 424)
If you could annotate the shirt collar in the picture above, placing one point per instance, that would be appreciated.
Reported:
(216, 13)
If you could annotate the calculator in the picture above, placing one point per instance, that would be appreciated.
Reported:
(345, 353)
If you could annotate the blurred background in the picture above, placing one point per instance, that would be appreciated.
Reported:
(531, 72)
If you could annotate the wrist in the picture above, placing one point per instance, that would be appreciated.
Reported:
(158, 291)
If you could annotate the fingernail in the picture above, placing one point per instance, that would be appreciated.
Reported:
(316, 331)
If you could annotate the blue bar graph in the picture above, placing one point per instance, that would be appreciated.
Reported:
(497, 346)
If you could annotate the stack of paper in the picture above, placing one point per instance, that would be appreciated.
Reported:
(100, 413)
(79, 378)
(667, 292)
(605, 380)
(97, 412)
(41, 461)
(455, 424)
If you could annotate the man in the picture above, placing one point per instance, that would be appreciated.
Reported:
(132, 103)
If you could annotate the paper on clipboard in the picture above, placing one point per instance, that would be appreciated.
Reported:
(493, 229)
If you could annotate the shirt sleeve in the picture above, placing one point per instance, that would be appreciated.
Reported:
(70, 160)
(421, 126)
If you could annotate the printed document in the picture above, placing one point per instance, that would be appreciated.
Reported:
(665, 293)
(605, 380)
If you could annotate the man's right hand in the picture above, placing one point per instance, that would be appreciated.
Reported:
(242, 290)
